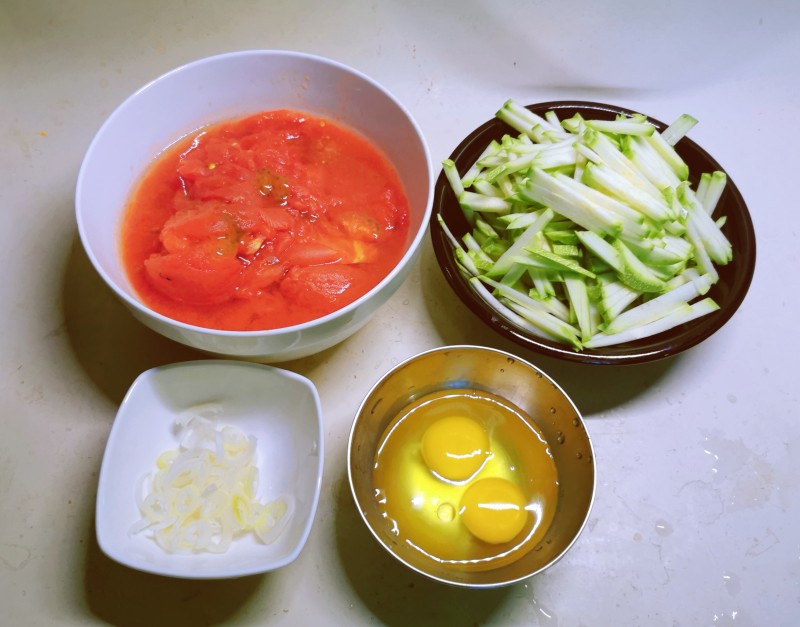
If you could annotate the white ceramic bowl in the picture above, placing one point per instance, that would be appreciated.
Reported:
(281, 409)
(229, 86)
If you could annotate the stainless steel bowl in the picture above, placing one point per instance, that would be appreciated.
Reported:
(513, 379)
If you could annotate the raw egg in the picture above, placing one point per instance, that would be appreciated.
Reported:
(455, 447)
(493, 510)
(464, 477)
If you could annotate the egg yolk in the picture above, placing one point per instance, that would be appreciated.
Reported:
(493, 510)
(455, 447)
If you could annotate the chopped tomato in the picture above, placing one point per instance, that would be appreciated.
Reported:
(275, 219)
(264, 272)
(315, 287)
(194, 276)
(209, 224)
(359, 226)
(230, 185)
(311, 254)
(263, 222)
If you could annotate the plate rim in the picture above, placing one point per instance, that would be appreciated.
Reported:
(622, 354)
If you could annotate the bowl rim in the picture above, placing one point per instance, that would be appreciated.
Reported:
(534, 368)
(122, 554)
(412, 247)
(621, 354)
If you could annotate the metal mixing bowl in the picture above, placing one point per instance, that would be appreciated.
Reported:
(515, 380)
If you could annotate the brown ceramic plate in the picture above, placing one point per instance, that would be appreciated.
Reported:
(729, 292)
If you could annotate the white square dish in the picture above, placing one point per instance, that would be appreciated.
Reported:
(280, 408)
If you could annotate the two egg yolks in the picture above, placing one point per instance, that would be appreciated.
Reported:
(455, 448)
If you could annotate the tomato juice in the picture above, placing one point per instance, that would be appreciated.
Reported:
(263, 222)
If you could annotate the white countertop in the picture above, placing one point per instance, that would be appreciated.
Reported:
(697, 511)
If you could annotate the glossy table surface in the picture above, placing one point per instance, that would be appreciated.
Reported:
(695, 520)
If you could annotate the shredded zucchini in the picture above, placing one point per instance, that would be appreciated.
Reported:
(587, 232)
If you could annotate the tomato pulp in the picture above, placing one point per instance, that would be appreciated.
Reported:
(264, 222)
